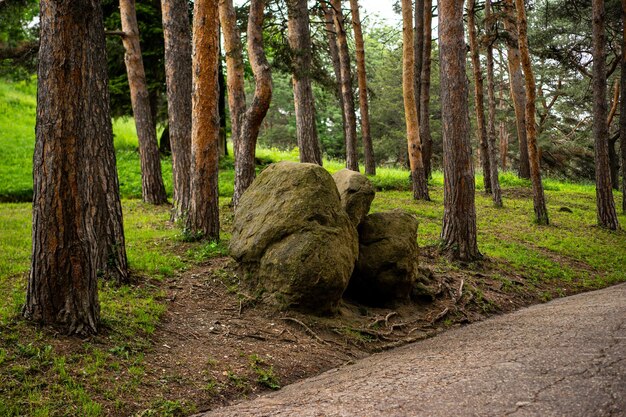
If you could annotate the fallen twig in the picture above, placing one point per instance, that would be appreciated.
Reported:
(307, 328)
(381, 319)
(441, 315)
(460, 292)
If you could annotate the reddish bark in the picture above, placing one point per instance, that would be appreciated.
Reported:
(418, 175)
(458, 232)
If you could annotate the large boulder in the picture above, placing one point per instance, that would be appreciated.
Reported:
(387, 267)
(357, 194)
(292, 238)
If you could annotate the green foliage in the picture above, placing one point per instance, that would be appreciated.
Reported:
(17, 28)
(265, 372)
(152, 50)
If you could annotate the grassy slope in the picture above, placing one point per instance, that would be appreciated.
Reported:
(39, 378)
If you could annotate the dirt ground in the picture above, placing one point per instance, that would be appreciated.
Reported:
(216, 344)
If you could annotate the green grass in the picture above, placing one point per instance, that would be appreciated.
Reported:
(41, 377)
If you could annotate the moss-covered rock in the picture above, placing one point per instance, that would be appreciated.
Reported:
(356, 192)
(387, 267)
(292, 238)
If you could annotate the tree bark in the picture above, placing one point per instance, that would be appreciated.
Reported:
(613, 157)
(418, 49)
(368, 149)
(491, 100)
(516, 82)
(539, 201)
(424, 116)
(177, 33)
(352, 156)
(458, 233)
(221, 79)
(606, 213)
(479, 100)
(334, 57)
(76, 206)
(418, 174)
(622, 109)
(299, 37)
(254, 115)
(203, 221)
(152, 188)
(236, 92)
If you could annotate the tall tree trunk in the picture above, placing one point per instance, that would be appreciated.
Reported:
(418, 49)
(418, 175)
(424, 116)
(76, 194)
(177, 33)
(368, 149)
(622, 108)
(152, 188)
(491, 99)
(253, 118)
(458, 232)
(607, 216)
(334, 57)
(503, 133)
(221, 80)
(479, 100)
(539, 201)
(203, 221)
(236, 92)
(613, 158)
(299, 37)
(352, 156)
(518, 91)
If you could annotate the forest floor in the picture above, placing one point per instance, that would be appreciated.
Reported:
(186, 335)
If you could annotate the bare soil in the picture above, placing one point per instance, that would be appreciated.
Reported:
(217, 344)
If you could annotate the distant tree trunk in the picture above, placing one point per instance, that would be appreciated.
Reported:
(622, 109)
(352, 156)
(418, 175)
(614, 162)
(236, 93)
(418, 49)
(491, 99)
(516, 81)
(299, 37)
(76, 206)
(177, 33)
(503, 133)
(458, 232)
(165, 146)
(334, 57)
(479, 100)
(424, 116)
(613, 158)
(539, 201)
(222, 107)
(253, 118)
(203, 220)
(368, 149)
(607, 216)
(152, 188)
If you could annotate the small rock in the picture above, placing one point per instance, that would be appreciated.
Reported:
(356, 192)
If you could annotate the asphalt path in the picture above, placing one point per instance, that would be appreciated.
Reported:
(563, 358)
